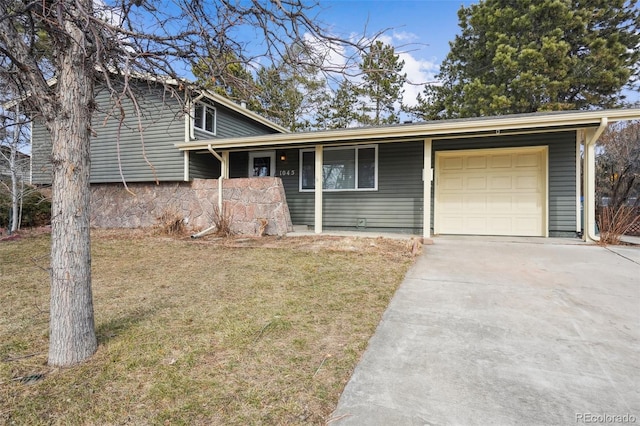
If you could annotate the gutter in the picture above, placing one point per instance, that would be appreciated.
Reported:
(222, 168)
(589, 145)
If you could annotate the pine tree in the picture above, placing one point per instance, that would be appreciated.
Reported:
(382, 86)
(531, 55)
(339, 110)
(289, 96)
(228, 76)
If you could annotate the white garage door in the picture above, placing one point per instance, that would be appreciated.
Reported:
(491, 192)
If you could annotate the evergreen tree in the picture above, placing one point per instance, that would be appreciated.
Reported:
(228, 76)
(289, 96)
(382, 85)
(339, 110)
(534, 55)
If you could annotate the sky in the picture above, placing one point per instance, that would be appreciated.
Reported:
(420, 30)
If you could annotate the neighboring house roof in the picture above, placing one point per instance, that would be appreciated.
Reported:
(23, 160)
(441, 129)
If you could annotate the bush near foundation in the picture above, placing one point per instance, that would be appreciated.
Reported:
(36, 208)
(614, 222)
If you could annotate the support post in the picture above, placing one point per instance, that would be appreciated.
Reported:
(589, 203)
(589, 173)
(318, 190)
(427, 177)
(579, 138)
(225, 164)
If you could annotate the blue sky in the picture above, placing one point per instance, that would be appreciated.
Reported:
(430, 24)
(420, 29)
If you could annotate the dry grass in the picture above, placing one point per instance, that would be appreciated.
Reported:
(213, 331)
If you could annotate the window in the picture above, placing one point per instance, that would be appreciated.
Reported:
(262, 163)
(204, 118)
(343, 169)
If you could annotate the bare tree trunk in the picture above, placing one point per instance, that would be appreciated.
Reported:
(72, 332)
(13, 167)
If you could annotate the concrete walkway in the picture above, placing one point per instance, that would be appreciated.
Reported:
(505, 332)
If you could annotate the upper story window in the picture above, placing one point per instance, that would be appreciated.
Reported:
(352, 168)
(204, 118)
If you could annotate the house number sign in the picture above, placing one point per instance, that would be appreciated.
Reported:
(290, 172)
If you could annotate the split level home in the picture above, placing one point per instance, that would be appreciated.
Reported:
(513, 175)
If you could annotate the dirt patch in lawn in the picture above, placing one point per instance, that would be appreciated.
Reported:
(209, 331)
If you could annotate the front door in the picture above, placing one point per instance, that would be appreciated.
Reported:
(262, 163)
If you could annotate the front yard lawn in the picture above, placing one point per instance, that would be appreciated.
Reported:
(212, 331)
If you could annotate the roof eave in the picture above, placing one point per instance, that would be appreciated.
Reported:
(445, 128)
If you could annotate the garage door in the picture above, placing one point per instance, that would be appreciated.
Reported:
(491, 192)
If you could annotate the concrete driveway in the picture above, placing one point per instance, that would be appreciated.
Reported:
(505, 332)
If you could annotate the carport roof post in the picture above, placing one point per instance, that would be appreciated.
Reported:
(589, 174)
(427, 177)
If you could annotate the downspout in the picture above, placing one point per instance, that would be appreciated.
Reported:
(190, 134)
(589, 181)
(223, 167)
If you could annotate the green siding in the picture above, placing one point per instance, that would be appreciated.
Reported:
(40, 154)
(203, 165)
(162, 122)
(163, 125)
(562, 171)
(396, 206)
(231, 124)
(239, 165)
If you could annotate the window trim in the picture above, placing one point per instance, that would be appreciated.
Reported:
(206, 107)
(346, 147)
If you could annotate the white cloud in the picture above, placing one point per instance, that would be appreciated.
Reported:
(419, 72)
(331, 54)
(404, 36)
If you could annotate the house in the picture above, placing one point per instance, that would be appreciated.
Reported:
(137, 143)
(514, 175)
(23, 163)
(517, 175)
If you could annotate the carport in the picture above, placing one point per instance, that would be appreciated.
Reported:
(507, 192)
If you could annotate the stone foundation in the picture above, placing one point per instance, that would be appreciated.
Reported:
(248, 203)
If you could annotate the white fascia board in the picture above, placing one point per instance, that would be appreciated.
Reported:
(445, 128)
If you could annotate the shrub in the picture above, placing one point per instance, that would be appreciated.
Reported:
(36, 208)
(615, 222)
(222, 221)
(170, 223)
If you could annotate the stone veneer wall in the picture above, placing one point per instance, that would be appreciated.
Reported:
(246, 201)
